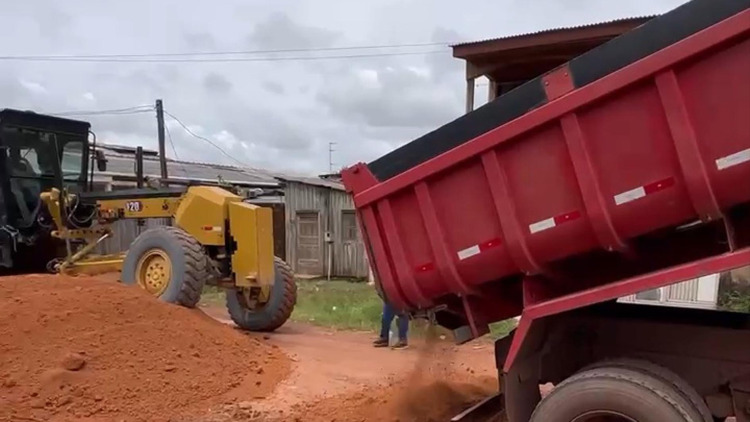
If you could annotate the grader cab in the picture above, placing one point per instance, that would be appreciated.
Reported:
(216, 239)
(37, 153)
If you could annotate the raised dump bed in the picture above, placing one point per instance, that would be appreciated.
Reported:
(646, 133)
(627, 169)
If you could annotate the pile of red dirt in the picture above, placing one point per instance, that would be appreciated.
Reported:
(84, 349)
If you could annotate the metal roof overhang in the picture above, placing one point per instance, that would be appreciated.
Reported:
(522, 57)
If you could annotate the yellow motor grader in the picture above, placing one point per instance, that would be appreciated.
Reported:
(215, 239)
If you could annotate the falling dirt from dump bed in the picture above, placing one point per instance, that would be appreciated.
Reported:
(83, 349)
(434, 390)
(430, 400)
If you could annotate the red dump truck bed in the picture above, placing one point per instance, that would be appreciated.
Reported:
(641, 145)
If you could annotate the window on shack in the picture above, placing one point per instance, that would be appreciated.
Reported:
(348, 226)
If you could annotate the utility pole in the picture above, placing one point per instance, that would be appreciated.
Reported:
(162, 148)
(330, 156)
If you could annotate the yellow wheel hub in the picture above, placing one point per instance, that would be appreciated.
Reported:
(153, 271)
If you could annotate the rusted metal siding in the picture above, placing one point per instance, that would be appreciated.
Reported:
(346, 257)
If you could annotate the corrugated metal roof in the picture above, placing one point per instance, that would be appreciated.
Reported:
(315, 181)
(559, 29)
(122, 163)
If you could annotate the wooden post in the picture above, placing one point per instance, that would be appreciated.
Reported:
(139, 167)
(162, 149)
(469, 94)
(492, 91)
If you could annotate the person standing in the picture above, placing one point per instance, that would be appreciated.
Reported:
(389, 312)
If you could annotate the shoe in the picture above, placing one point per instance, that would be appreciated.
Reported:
(381, 342)
(401, 344)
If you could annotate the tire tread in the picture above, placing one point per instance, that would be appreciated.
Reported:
(281, 313)
(646, 381)
(196, 263)
(665, 375)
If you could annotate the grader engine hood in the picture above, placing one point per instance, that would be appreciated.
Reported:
(217, 217)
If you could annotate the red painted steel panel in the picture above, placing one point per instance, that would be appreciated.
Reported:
(717, 98)
(631, 147)
(622, 288)
(515, 239)
(599, 166)
(452, 280)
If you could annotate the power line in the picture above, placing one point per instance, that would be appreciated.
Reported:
(174, 150)
(219, 60)
(116, 111)
(202, 138)
(221, 53)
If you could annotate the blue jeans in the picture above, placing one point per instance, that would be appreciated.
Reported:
(385, 324)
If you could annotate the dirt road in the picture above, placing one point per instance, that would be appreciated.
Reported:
(338, 375)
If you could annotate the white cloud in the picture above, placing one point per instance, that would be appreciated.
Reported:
(33, 87)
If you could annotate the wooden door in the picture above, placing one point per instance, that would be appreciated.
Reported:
(309, 249)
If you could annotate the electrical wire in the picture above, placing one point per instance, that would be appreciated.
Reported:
(222, 53)
(174, 150)
(202, 138)
(116, 111)
(72, 59)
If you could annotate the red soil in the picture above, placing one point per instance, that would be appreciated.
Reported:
(84, 349)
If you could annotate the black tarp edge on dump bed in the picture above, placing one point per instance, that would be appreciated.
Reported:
(654, 35)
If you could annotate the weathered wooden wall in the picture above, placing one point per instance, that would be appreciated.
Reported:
(307, 250)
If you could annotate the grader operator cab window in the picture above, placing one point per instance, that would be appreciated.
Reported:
(37, 153)
(32, 161)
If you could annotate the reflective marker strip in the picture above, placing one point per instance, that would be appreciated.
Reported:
(477, 249)
(469, 252)
(549, 223)
(642, 191)
(733, 159)
(212, 228)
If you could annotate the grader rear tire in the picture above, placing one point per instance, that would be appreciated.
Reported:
(168, 263)
(275, 312)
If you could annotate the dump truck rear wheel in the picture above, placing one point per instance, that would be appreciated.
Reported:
(169, 263)
(275, 312)
(620, 394)
(699, 411)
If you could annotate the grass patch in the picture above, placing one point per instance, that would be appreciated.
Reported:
(346, 305)
(501, 329)
(735, 301)
(338, 304)
(212, 296)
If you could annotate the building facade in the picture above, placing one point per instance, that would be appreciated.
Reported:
(323, 236)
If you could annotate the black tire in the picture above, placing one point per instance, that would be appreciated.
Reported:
(188, 259)
(626, 392)
(701, 412)
(278, 309)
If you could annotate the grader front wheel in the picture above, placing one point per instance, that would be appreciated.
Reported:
(168, 263)
(270, 315)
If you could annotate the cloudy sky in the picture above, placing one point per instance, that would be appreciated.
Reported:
(279, 115)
